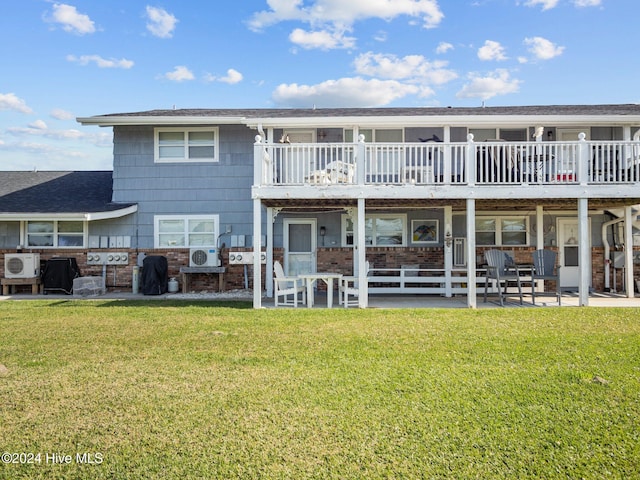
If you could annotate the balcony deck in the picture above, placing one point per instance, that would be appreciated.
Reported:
(496, 169)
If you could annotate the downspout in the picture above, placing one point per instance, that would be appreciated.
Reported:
(607, 252)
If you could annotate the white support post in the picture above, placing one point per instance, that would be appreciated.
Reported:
(360, 161)
(584, 244)
(361, 250)
(628, 251)
(539, 238)
(257, 265)
(447, 158)
(471, 162)
(259, 159)
(448, 250)
(471, 253)
(583, 159)
(269, 251)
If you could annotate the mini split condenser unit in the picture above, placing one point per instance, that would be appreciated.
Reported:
(21, 265)
(204, 257)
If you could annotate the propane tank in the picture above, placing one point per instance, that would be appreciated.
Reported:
(135, 281)
(173, 285)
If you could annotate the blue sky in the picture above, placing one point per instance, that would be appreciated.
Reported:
(78, 58)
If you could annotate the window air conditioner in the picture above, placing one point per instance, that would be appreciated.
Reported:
(21, 265)
(204, 257)
(459, 252)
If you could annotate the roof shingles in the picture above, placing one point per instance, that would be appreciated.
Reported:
(57, 192)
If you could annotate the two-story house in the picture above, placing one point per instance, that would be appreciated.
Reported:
(429, 189)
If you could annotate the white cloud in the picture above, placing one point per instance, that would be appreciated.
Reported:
(60, 114)
(179, 74)
(587, 3)
(549, 4)
(39, 125)
(414, 68)
(233, 77)
(322, 39)
(9, 101)
(498, 82)
(71, 20)
(380, 36)
(101, 62)
(491, 50)
(443, 47)
(338, 15)
(40, 129)
(161, 23)
(542, 48)
(546, 4)
(344, 92)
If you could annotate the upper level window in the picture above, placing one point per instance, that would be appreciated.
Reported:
(380, 135)
(55, 233)
(186, 230)
(186, 145)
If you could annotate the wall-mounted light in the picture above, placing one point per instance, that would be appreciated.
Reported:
(448, 238)
(323, 232)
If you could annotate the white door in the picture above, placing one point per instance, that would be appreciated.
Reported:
(569, 253)
(299, 246)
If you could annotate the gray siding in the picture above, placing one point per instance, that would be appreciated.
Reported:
(222, 188)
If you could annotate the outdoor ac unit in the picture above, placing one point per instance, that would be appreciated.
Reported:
(204, 257)
(21, 265)
(459, 252)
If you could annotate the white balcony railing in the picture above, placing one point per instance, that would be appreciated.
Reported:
(470, 163)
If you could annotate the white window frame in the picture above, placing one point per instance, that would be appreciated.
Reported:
(159, 218)
(56, 234)
(498, 232)
(185, 145)
(371, 134)
(373, 217)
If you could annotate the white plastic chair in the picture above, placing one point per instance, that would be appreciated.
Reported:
(285, 286)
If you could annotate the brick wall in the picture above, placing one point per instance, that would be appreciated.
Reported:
(334, 259)
(120, 278)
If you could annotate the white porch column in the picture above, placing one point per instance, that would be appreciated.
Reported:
(471, 253)
(361, 173)
(539, 237)
(269, 251)
(539, 227)
(628, 251)
(361, 251)
(257, 265)
(584, 244)
(448, 250)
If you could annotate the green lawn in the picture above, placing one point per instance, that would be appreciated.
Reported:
(162, 389)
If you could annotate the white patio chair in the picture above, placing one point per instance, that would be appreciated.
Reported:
(544, 268)
(501, 269)
(285, 286)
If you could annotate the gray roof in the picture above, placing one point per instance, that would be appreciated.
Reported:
(621, 109)
(57, 192)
